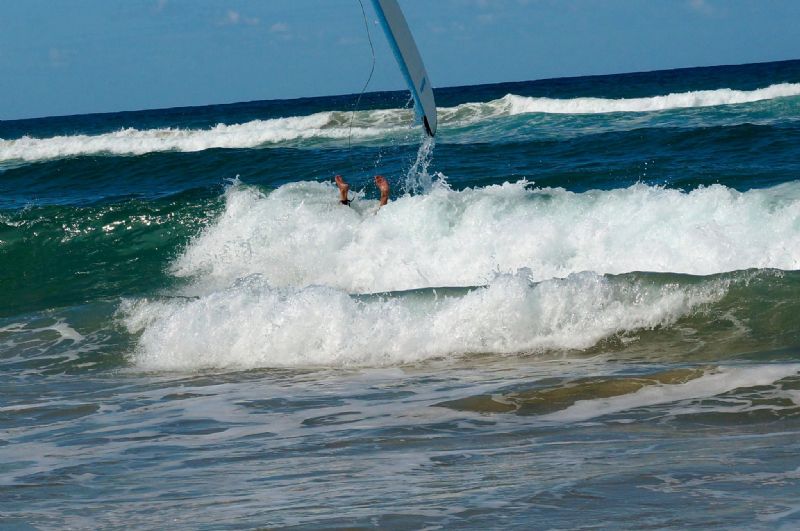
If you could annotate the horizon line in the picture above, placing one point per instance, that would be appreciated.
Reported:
(356, 94)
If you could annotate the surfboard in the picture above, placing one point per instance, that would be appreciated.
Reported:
(405, 51)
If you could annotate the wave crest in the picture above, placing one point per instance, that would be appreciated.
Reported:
(702, 98)
(253, 325)
(130, 141)
(334, 126)
(299, 236)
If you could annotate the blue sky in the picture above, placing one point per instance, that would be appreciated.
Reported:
(77, 56)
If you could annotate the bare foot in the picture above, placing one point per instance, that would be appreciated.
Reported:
(383, 186)
(343, 189)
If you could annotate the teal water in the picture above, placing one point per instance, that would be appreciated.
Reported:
(578, 310)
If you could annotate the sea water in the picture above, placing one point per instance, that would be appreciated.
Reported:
(580, 309)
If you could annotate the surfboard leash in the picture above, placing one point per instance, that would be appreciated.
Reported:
(364, 89)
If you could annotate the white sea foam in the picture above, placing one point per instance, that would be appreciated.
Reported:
(700, 98)
(60, 326)
(254, 325)
(372, 124)
(299, 235)
(720, 380)
(130, 141)
(273, 278)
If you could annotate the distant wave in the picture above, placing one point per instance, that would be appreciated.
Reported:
(334, 126)
(701, 98)
(130, 141)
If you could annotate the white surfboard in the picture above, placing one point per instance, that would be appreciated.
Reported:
(407, 55)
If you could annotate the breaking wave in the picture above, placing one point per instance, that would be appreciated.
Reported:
(298, 235)
(684, 100)
(373, 125)
(293, 279)
(254, 325)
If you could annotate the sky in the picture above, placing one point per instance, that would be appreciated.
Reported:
(61, 57)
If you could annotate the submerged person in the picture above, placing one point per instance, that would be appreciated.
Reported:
(380, 182)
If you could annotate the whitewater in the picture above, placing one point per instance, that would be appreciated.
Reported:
(334, 126)
(295, 237)
(287, 263)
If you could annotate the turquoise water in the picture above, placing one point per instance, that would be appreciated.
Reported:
(578, 310)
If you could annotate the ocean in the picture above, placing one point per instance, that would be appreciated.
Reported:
(580, 309)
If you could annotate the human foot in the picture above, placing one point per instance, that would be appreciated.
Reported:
(344, 188)
(383, 186)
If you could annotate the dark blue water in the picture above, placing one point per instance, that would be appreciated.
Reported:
(579, 309)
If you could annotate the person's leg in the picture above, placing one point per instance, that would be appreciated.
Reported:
(383, 186)
(343, 189)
